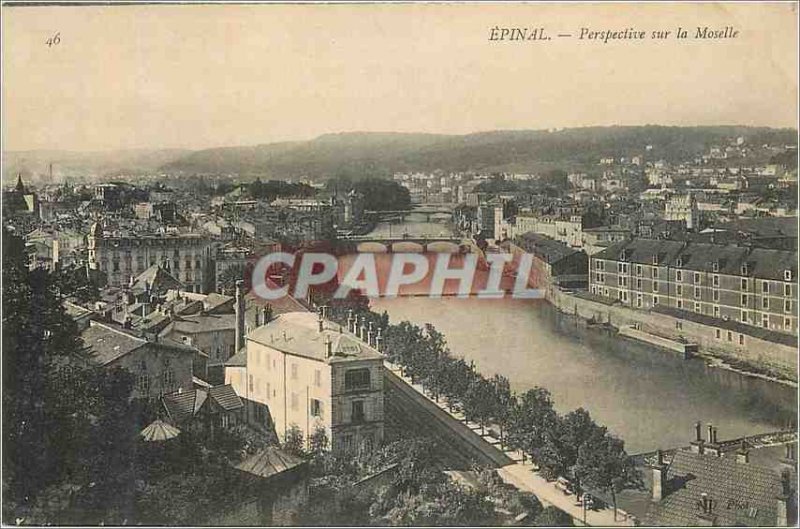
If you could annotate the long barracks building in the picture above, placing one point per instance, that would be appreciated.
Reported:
(754, 286)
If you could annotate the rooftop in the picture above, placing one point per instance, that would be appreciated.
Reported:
(298, 333)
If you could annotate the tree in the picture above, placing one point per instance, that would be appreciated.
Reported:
(530, 420)
(318, 441)
(293, 443)
(553, 517)
(226, 283)
(603, 464)
(503, 400)
(479, 401)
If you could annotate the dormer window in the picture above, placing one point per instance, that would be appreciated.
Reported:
(715, 266)
(679, 262)
(745, 269)
(655, 259)
(787, 275)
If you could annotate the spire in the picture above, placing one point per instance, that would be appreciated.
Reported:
(20, 186)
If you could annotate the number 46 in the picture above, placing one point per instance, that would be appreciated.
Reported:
(54, 40)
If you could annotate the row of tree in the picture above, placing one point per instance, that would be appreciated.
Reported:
(570, 445)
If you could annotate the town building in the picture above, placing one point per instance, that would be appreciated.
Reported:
(122, 255)
(754, 286)
(159, 365)
(313, 374)
(683, 208)
(554, 263)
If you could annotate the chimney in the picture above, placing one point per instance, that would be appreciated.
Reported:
(127, 324)
(239, 311)
(789, 460)
(659, 477)
(706, 518)
(370, 335)
(265, 314)
(350, 321)
(328, 347)
(363, 330)
(712, 447)
(743, 455)
(697, 444)
(379, 341)
(320, 321)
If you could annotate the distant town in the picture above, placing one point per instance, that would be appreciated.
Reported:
(145, 383)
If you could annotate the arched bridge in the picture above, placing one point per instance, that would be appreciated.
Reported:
(410, 244)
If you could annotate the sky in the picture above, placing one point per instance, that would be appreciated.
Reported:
(168, 76)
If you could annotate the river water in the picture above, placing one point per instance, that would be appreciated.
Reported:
(648, 397)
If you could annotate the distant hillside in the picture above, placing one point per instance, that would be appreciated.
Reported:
(381, 154)
(34, 165)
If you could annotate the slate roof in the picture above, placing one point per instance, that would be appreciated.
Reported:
(238, 360)
(762, 262)
(226, 397)
(184, 405)
(742, 493)
(545, 248)
(269, 462)
(109, 344)
(155, 279)
(298, 333)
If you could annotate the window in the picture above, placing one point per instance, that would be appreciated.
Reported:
(655, 273)
(718, 334)
(697, 277)
(598, 264)
(143, 384)
(716, 311)
(294, 371)
(787, 324)
(250, 383)
(317, 378)
(765, 303)
(678, 275)
(638, 270)
(765, 321)
(744, 300)
(268, 389)
(169, 379)
(787, 275)
(679, 290)
(655, 286)
(679, 303)
(357, 415)
(741, 339)
(787, 305)
(638, 284)
(744, 284)
(655, 300)
(765, 287)
(316, 408)
(638, 300)
(294, 400)
(715, 294)
(621, 281)
(697, 307)
(697, 292)
(730, 336)
(744, 316)
(679, 325)
(787, 290)
(356, 379)
(715, 281)
(625, 296)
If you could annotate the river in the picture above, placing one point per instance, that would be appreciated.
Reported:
(648, 397)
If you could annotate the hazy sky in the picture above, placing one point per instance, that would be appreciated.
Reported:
(201, 76)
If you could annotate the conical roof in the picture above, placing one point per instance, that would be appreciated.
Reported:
(158, 430)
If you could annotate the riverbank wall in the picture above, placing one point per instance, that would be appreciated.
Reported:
(744, 352)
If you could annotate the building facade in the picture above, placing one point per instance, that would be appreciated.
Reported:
(314, 375)
(187, 256)
(754, 286)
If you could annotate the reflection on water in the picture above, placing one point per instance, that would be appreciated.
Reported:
(648, 397)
